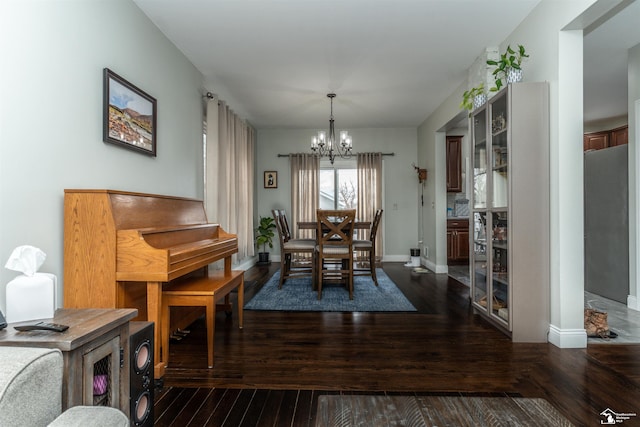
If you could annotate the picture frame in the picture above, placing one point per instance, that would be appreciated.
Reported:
(270, 179)
(129, 115)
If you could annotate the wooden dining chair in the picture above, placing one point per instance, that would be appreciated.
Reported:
(289, 248)
(334, 252)
(369, 247)
(287, 230)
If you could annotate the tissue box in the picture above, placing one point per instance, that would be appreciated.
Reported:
(31, 297)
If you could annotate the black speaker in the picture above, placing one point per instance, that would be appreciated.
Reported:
(141, 382)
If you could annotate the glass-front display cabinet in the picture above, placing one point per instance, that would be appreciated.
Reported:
(510, 162)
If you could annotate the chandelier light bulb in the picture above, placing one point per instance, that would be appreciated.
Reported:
(322, 137)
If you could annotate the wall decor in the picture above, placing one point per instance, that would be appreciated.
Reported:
(129, 115)
(270, 179)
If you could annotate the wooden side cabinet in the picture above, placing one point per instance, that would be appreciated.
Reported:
(454, 164)
(457, 241)
(95, 352)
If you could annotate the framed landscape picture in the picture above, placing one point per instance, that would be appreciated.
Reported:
(129, 115)
(270, 179)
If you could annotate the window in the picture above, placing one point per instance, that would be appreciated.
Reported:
(338, 185)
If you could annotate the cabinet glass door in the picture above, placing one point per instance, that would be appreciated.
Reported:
(499, 152)
(479, 268)
(480, 159)
(500, 265)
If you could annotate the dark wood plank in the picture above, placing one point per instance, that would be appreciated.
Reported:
(254, 411)
(224, 407)
(176, 409)
(208, 408)
(237, 412)
(305, 409)
(188, 409)
(164, 405)
(287, 408)
(442, 349)
(271, 409)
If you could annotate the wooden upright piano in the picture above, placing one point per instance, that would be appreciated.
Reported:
(121, 247)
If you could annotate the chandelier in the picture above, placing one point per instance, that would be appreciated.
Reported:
(326, 145)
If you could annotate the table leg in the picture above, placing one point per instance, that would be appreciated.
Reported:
(241, 302)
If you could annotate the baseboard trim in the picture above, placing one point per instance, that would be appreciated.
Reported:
(246, 264)
(567, 338)
(396, 258)
(439, 269)
(632, 302)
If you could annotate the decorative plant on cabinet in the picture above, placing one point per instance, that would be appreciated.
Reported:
(473, 98)
(508, 67)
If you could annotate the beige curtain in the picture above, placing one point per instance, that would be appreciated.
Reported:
(229, 185)
(370, 193)
(305, 181)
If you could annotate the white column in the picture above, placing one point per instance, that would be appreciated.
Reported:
(633, 300)
(566, 177)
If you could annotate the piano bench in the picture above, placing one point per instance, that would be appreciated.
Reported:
(200, 292)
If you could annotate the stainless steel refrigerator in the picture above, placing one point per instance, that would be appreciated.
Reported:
(606, 223)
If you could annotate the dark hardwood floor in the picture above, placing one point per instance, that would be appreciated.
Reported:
(271, 372)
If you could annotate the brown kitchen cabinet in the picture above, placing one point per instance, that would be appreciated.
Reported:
(606, 138)
(457, 241)
(619, 136)
(596, 140)
(454, 164)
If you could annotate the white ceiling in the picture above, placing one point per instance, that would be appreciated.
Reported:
(391, 62)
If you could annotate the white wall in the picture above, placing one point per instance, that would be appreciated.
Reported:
(634, 178)
(53, 54)
(400, 187)
(432, 155)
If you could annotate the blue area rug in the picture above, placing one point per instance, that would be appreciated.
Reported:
(297, 295)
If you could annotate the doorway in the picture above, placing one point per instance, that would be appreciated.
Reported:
(608, 226)
(457, 161)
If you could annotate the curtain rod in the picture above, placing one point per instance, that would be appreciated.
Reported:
(384, 154)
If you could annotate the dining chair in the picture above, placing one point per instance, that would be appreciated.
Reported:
(334, 252)
(287, 230)
(289, 265)
(369, 247)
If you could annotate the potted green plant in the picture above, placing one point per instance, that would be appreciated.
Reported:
(264, 237)
(508, 67)
(473, 98)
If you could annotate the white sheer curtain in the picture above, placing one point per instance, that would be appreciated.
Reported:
(370, 192)
(229, 185)
(305, 183)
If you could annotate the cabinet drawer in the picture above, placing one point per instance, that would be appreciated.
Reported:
(457, 223)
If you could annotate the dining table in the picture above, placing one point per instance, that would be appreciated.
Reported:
(312, 225)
